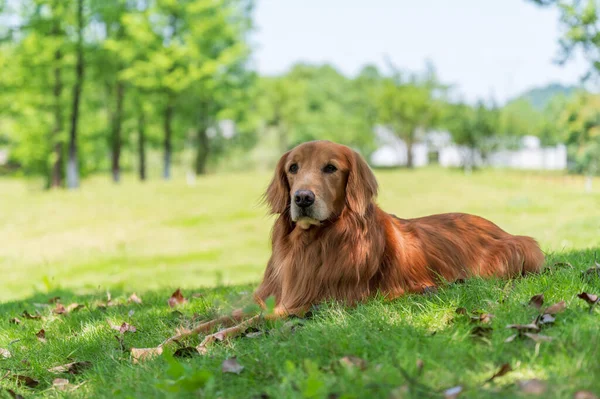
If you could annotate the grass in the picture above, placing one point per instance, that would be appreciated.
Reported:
(213, 239)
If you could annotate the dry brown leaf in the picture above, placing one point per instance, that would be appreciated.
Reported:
(59, 309)
(452, 393)
(25, 380)
(71, 368)
(141, 354)
(353, 361)
(135, 299)
(504, 369)
(538, 337)
(5, 353)
(585, 395)
(589, 298)
(54, 299)
(544, 319)
(176, 298)
(524, 327)
(41, 335)
(26, 315)
(461, 311)
(537, 301)
(556, 308)
(14, 320)
(231, 365)
(533, 386)
(60, 384)
(511, 338)
(74, 307)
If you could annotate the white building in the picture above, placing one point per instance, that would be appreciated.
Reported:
(437, 147)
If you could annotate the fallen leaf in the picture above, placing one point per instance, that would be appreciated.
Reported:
(54, 299)
(135, 299)
(127, 328)
(26, 315)
(585, 395)
(353, 361)
(524, 327)
(481, 332)
(176, 298)
(538, 337)
(123, 327)
(14, 320)
(589, 298)
(141, 354)
(556, 308)
(5, 353)
(187, 351)
(511, 338)
(60, 383)
(71, 368)
(41, 335)
(504, 369)
(544, 319)
(461, 311)
(231, 365)
(533, 386)
(26, 380)
(59, 309)
(74, 307)
(537, 301)
(485, 318)
(452, 393)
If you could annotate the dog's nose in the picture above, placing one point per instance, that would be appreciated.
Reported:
(304, 198)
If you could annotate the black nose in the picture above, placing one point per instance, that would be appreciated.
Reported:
(304, 198)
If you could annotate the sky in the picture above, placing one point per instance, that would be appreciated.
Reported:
(488, 48)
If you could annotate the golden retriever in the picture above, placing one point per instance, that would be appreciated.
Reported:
(332, 242)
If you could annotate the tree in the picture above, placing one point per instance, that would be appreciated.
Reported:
(472, 127)
(407, 106)
(72, 163)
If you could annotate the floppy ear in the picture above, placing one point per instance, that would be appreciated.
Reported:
(362, 185)
(278, 192)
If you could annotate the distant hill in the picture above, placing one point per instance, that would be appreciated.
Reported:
(539, 97)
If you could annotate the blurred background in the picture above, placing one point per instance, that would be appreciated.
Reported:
(137, 136)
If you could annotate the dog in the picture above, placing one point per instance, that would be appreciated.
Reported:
(331, 241)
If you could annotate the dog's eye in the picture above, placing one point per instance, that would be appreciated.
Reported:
(329, 168)
(293, 168)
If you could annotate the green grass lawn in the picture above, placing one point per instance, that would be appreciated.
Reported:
(212, 240)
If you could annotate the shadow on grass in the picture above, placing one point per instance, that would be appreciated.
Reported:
(302, 358)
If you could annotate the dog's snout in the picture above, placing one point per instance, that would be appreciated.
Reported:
(304, 198)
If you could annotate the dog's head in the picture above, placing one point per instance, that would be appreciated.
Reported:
(316, 180)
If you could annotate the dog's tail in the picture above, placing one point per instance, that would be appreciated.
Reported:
(527, 256)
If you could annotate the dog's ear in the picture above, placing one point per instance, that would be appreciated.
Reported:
(362, 185)
(278, 192)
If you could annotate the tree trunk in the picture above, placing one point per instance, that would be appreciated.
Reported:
(56, 141)
(142, 143)
(72, 166)
(202, 151)
(168, 120)
(409, 150)
(116, 132)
